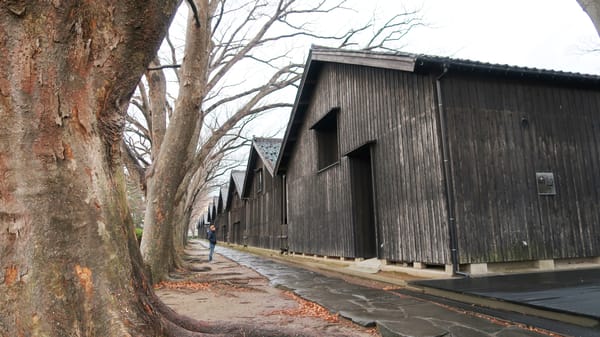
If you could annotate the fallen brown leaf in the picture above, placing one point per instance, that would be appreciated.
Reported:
(190, 285)
(307, 309)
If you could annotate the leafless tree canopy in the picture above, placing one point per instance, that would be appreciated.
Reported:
(198, 102)
(254, 66)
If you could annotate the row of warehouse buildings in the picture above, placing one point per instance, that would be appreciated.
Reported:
(426, 161)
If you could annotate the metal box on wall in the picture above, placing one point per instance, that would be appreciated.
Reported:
(546, 184)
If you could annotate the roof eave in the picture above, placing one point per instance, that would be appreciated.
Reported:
(248, 173)
(309, 69)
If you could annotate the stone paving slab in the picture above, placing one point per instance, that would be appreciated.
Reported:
(406, 327)
(394, 314)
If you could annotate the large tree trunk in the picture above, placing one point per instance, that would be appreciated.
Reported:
(165, 190)
(592, 8)
(69, 262)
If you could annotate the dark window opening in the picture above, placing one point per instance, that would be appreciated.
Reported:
(326, 131)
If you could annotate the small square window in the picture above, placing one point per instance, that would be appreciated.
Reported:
(326, 131)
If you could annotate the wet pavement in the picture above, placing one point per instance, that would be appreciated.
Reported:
(569, 291)
(395, 313)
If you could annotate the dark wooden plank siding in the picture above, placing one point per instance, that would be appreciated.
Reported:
(263, 210)
(319, 217)
(397, 111)
(237, 216)
(501, 133)
(222, 227)
(415, 224)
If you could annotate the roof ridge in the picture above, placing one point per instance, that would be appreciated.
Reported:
(460, 62)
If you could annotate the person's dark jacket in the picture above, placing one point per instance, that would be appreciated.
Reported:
(212, 237)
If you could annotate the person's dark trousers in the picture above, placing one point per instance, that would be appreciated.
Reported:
(211, 252)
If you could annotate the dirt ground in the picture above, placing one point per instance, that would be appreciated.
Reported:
(225, 291)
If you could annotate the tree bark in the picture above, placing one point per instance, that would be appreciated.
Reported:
(165, 190)
(592, 8)
(69, 262)
(157, 94)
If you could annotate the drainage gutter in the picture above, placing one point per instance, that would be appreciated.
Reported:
(448, 178)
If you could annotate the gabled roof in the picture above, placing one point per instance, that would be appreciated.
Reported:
(202, 220)
(267, 149)
(215, 204)
(223, 198)
(403, 62)
(212, 209)
(236, 182)
(209, 213)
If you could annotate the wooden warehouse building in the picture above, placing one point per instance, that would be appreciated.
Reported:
(202, 225)
(222, 217)
(440, 162)
(262, 193)
(212, 211)
(235, 208)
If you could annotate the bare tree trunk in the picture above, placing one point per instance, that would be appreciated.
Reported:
(177, 153)
(157, 94)
(69, 265)
(69, 261)
(592, 8)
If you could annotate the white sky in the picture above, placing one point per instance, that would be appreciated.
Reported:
(546, 34)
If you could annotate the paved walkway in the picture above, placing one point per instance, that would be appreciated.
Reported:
(575, 292)
(395, 313)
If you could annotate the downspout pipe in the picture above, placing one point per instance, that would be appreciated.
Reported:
(283, 237)
(450, 203)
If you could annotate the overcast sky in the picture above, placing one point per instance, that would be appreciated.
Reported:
(547, 34)
(543, 34)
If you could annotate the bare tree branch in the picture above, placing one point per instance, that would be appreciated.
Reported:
(251, 43)
(394, 29)
(221, 5)
(290, 69)
(141, 129)
(195, 11)
(133, 166)
(167, 66)
(242, 71)
(173, 55)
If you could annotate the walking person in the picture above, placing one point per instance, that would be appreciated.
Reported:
(212, 239)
